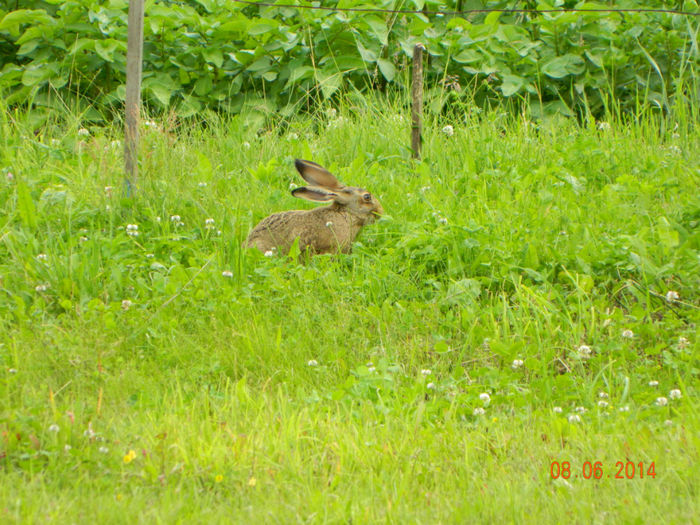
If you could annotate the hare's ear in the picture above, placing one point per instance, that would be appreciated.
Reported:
(313, 194)
(316, 174)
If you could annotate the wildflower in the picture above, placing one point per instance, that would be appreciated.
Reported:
(426, 372)
(292, 136)
(109, 190)
(115, 144)
(82, 132)
(603, 404)
(674, 394)
(11, 370)
(485, 398)
(517, 363)
(10, 176)
(312, 362)
(425, 188)
(430, 386)
(603, 126)
(218, 232)
(448, 130)
(627, 334)
(202, 184)
(82, 238)
(126, 304)
(150, 124)
(672, 296)
(252, 482)
(371, 368)
(292, 185)
(574, 418)
(557, 410)
(209, 222)
(269, 253)
(179, 224)
(603, 395)
(54, 142)
(683, 342)
(625, 408)
(132, 229)
(227, 273)
(89, 433)
(478, 411)
(331, 113)
(329, 224)
(661, 401)
(174, 218)
(41, 287)
(129, 457)
(54, 428)
(653, 382)
(246, 145)
(67, 448)
(584, 351)
(580, 410)
(668, 423)
(42, 257)
(103, 450)
(442, 220)
(218, 479)
(150, 256)
(158, 219)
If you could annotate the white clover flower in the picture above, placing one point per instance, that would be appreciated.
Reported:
(661, 401)
(668, 423)
(67, 448)
(584, 351)
(150, 124)
(557, 410)
(174, 218)
(329, 224)
(54, 428)
(478, 411)
(126, 304)
(246, 145)
(227, 273)
(371, 368)
(292, 136)
(430, 386)
(115, 144)
(108, 207)
(683, 342)
(41, 287)
(150, 256)
(426, 372)
(653, 382)
(574, 418)
(485, 398)
(158, 219)
(82, 132)
(448, 130)
(202, 184)
(132, 229)
(42, 257)
(109, 190)
(603, 395)
(517, 363)
(83, 239)
(209, 222)
(103, 450)
(625, 408)
(674, 394)
(442, 220)
(674, 149)
(580, 410)
(218, 232)
(672, 296)
(312, 362)
(627, 334)
(603, 404)
(603, 126)
(269, 253)
(425, 188)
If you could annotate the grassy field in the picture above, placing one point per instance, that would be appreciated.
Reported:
(531, 297)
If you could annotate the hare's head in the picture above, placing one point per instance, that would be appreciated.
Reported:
(325, 188)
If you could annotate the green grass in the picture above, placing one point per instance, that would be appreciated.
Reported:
(291, 392)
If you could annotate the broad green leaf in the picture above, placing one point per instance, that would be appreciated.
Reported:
(367, 54)
(387, 69)
(213, 55)
(559, 67)
(511, 84)
(25, 205)
(467, 56)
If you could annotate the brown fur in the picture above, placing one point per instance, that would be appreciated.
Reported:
(329, 229)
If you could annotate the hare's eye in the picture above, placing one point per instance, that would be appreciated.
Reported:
(367, 197)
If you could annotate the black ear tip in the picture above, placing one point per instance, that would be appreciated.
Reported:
(299, 164)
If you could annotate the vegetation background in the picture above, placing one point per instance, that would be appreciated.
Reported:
(515, 341)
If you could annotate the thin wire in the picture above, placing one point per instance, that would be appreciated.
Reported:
(465, 12)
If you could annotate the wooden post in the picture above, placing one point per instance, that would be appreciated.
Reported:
(417, 101)
(134, 56)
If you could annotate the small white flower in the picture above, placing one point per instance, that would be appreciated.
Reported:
(269, 253)
(292, 185)
(674, 149)
(580, 410)
(157, 219)
(603, 404)
(312, 362)
(478, 411)
(246, 145)
(668, 423)
(202, 184)
(557, 410)
(672, 296)
(331, 113)
(218, 232)
(67, 448)
(132, 230)
(150, 256)
(674, 394)
(584, 351)
(627, 334)
(603, 126)
(329, 224)
(442, 220)
(83, 238)
(54, 142)
(108, 207)
(653, 382)
(661, 401)
(54, 428)
(292, 136)
(227, 273)
(109, 190)
(103, 450)
(174, 218)
(150, 124)
(371, 368)
(209, 222)
(603, 395)
(683, 342)
(41, 287)
(625, 408)
(82, 132)
(425, 188)
(574, 418)
(126, 304)
(42, 257)
(485, 398)
(517, 363)
(426, 372)
(448, 130)
(115, 144)
(430, 386)
(89, 433)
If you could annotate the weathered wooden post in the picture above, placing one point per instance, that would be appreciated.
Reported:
(134, 57)
(417, 101)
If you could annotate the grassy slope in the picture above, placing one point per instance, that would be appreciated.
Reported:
(510, 241)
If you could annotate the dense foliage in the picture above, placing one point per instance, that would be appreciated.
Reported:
(225, 55)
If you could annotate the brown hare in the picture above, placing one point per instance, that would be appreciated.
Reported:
(329, 229)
